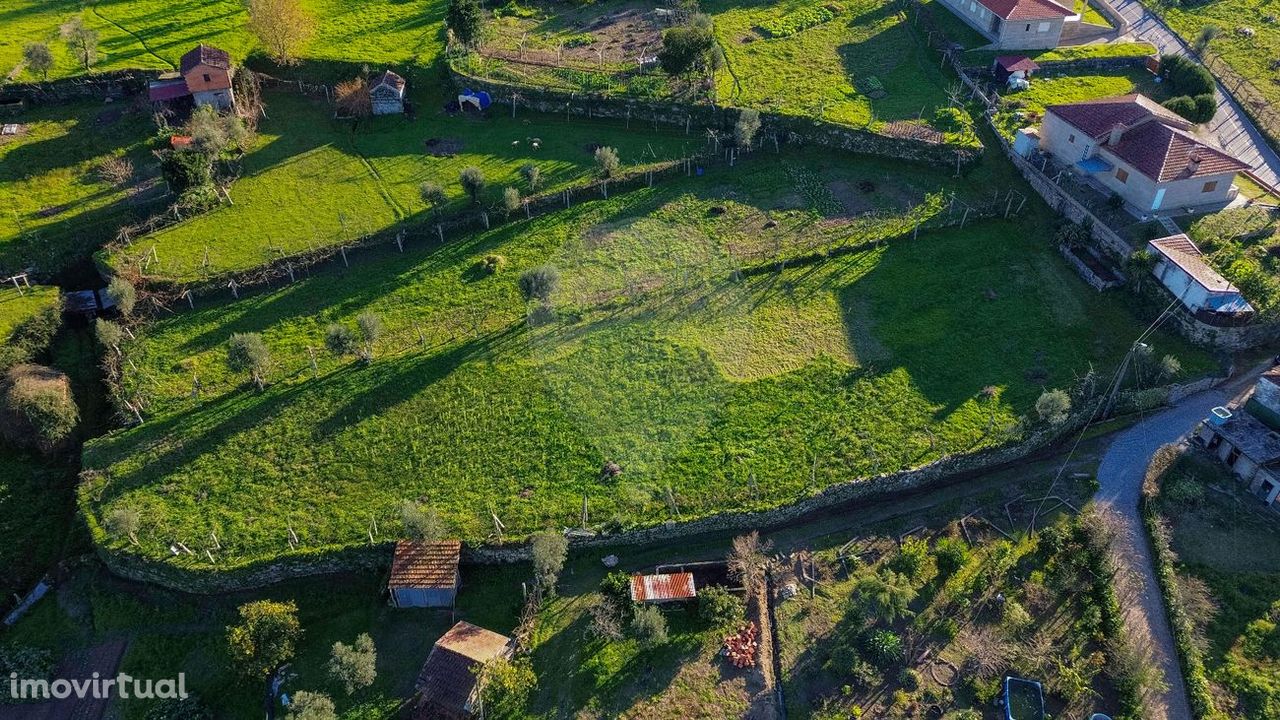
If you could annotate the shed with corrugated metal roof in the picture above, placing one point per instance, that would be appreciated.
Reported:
(663, 588)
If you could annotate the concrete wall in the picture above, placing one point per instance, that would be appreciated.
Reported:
(1267, 393)
(1030, 34)
(219, 99)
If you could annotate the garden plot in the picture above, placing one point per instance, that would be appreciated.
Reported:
(1225, 546)
(61, 196)
(312, 183)
(926, 620)
(656, 355)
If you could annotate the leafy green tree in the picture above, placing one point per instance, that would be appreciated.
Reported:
(472, 180)
(745, 129)
(122, 293)
(466, 19)
(719, 607)
(308, 705)
(912, 557)
(1053, 406)
(685, 48)
(246, 352)
(886, 595)
(354, 666)
(1186, 76)
(340, 340)
(109, 334)
(510, 200)
(265, 638)
(607, 161)
(38, 58)
(649, 626)
(532, 174)
(432, 195)
(539, 283)
(506, 686)
(549, 549)
(950, 554)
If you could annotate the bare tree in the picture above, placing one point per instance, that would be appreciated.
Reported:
(282, 26)
(749, 559)
(82, 40)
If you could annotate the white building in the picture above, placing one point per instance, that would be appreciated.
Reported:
(1241, 439)
(1180, 266)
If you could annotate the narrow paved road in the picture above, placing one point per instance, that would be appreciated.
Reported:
(1120, 478)
(1235, 131)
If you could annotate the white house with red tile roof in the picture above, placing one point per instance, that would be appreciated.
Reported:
(1181, 268)
(1014, 24)
(1141, 151)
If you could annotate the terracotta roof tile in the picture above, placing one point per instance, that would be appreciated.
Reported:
(388, 78)
(1027, 9)
(1181, 251)
(205, 55)
(659, 588)
(1154, 140)
(1014, 63)
(448, 677)
(431, 565)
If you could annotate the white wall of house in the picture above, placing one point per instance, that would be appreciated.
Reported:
(1071, 146)
(219, 99)
(1031, 34)
(1184, 287)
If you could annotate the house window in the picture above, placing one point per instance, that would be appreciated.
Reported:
(1028, 27)
(1210, 186)
(207, 78)
(1044, 27)
(973, 7)
(1071, 138)
(1122, 175)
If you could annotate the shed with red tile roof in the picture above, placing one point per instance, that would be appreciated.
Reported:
(425, 574)
(448, 684)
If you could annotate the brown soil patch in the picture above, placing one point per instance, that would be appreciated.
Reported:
(443, 147)
(855, 201)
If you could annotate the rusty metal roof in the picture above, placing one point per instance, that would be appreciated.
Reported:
(660, 588)
(431, 565)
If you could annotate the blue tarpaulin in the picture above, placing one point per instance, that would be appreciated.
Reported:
(1094, 165)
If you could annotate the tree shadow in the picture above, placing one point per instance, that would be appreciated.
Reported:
(910, 79)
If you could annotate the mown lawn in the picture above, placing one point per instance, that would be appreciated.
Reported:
(712, 394)
(151, 34)
(54, 208)
(311, 182)
(170, 633)
(18, 306)
(1062, 89)
(1229, 580)
(829, 71)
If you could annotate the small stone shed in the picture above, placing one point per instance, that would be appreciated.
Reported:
(386, 91)
(424, 574)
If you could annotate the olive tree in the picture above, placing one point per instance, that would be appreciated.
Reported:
(246, 352)
(38, 58)
(539, 283)
(472, 180)
(308, 705)
(432, 195)
(122, 293)
(265, 637)
(549, 549)
(340, 340)
(607, 161)
(422, 522)
(370, 325)
(1053, 406)
(354, 666)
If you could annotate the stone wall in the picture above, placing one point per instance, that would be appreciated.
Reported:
(115, 85)
(1085, 272)
(775, 128)
(1072, 209)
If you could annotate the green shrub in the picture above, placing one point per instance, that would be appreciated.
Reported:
(719, 607)
(883, 648)
(794, 22)
(186, 169)
(1185, 76)
(190, 708)
(912, 557)
(617, 586)
(649, 626)
(1184, 491)
(909, 679)
(950, 554)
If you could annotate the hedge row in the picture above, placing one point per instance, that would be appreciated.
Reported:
(1189, 656)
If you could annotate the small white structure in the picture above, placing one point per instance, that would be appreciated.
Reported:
(386, 91)
(1180, 266)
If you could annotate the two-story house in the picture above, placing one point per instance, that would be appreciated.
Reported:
(1014, 24)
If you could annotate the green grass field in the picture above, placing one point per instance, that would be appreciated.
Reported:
(1073, 88)
(1249, 56)
(829, 71)
(311, 182)
(1229, 578)
(151, 34)
(716, 394)
(54, 209)
(17, 306)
